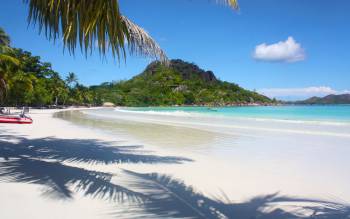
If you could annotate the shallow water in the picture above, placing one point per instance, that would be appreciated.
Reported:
(242, 156)
(330, 113)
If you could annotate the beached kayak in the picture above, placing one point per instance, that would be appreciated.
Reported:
(15, 119)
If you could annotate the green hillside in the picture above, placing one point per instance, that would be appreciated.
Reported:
(179, 83)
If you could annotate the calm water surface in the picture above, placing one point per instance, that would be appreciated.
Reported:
(243, 151)
(318, 113)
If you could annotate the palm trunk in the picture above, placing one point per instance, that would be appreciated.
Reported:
(3, 89)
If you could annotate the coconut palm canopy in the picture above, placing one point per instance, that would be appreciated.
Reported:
(4, 39)
(71, 78)
(6, 62)
(87, 23)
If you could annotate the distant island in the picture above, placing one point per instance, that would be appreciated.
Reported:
(329, 99)
(178, 83)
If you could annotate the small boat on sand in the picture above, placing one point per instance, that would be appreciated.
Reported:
(15, 118)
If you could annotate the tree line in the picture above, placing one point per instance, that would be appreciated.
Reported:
(178, 83)
(26, 80)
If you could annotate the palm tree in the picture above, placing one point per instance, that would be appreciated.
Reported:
(7, 62)
(71, 78)
(59, 88)
(4, 40)
(100, 22)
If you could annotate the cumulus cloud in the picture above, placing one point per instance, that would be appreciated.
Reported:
(295, 93)
(283, 51)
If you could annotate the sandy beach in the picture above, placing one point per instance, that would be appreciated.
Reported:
(85, 167)
(224, 109)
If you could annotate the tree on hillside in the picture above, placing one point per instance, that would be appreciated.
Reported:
(86, 22)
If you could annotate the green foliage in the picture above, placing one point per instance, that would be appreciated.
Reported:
(29, 81)
(33, 82)
(179, 83)
(7, 63)
(4, 41)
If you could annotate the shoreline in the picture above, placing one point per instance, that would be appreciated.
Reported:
(257, 142)
(89, 148)
(227, 124)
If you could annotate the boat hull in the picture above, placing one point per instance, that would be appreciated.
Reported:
(15, 120)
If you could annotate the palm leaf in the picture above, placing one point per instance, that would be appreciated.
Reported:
(231, 3)
(7, 59)
(100, 22)
(87, 23)
(7, 64)
(137, 38)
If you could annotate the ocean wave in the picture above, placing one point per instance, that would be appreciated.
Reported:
(299, 121)
(228, 126)
(181, 113)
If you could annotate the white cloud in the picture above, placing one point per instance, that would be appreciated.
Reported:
(295, 93)
(283, 51)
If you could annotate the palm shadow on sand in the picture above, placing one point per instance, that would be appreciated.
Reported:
(171, 198)
(41, 161)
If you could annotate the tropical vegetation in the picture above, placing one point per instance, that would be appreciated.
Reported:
(7, 62)
(178, 83)
(79, 23)
(28, 81)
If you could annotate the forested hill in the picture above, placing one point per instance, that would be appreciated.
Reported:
(179, 83)
(187, 70)
(32, 82)
(330, 99)
(26, 80)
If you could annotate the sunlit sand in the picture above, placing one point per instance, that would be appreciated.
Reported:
(60, 167)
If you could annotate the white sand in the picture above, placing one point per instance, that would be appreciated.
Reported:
(245, 159)
(243, 168)
(25, 200)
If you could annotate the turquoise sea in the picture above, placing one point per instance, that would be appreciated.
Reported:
(338, 113)
(298, 151)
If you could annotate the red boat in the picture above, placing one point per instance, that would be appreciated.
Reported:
(15, 119)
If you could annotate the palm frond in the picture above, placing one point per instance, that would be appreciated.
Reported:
(231, 3)
(7, 64)
(88, 23)
(7, 59)
(141, 43)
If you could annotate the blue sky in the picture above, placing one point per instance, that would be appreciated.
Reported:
(284, 48)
